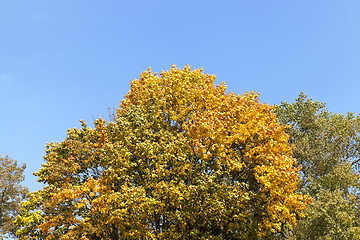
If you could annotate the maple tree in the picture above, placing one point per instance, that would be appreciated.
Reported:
(182, 159)
(327, 145)
(11, 194)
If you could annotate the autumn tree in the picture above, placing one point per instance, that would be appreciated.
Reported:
(11, 194)
(182, 159)
(327, 146)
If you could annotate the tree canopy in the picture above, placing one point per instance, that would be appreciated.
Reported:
(327, 146)
(182, 159)
(11, 194)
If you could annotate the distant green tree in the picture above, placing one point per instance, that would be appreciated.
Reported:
(327, 146)
(11, 194)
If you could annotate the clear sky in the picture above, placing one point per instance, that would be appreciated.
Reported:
(62, 61)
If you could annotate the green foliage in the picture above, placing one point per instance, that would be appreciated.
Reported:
(327, 146)
(11, 193)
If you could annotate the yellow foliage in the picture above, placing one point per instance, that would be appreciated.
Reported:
(183, 159)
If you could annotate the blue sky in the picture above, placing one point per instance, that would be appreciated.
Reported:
(62, 61)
